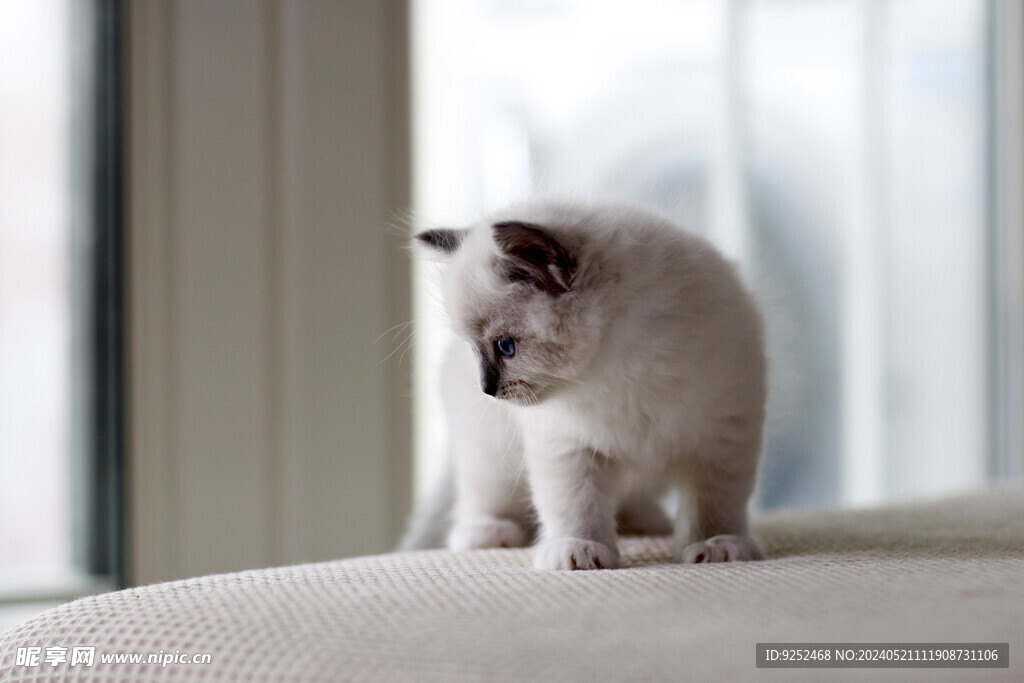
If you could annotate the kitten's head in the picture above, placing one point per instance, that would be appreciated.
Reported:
(514, 290)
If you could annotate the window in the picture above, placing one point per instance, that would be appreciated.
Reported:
(839, 150)
(59, 299)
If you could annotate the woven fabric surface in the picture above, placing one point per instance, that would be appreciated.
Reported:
(947, 571)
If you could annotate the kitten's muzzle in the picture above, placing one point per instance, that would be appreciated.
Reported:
(519, 393)
(489, 376)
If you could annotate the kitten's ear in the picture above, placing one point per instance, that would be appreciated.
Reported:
(444, 240)
(532, 255)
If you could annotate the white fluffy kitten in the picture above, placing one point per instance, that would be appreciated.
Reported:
(616, 356)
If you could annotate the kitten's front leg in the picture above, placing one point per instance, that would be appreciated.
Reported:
(577, 514)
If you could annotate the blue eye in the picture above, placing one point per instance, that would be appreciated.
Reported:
(506, 347)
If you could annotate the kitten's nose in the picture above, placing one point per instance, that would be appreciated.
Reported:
(489, 378)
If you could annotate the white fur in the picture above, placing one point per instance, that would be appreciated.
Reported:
(657, 380)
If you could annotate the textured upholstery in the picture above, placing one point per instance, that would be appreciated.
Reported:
(947, 571)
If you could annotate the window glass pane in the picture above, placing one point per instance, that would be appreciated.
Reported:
(837, 149)
(35, 289)
(936, 243)
(59, 298)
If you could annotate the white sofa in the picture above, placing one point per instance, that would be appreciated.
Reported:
(949, 571)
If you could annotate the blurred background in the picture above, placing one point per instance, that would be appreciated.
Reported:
(841, 152)
(215, 353)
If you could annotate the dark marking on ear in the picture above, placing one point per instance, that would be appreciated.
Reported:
(532, 255)
(445, 240)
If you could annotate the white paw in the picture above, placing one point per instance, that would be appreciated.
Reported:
(486, 532)
(722, 548)
(575, 553)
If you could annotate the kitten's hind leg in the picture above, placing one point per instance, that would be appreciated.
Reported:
(492, 507)
(486, 532)
(711, 524)
(492, 512)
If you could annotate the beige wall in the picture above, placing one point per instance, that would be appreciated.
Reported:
(267, 160)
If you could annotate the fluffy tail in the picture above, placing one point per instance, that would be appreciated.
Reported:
(432, 517)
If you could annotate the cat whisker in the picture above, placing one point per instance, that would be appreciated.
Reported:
(396, 328)
(520, 471)
(404, 346)
(411, 339)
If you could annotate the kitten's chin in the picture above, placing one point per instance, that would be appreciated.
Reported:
(520, 401)
(520, 394)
